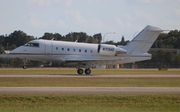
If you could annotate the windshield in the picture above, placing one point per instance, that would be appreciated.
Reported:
(32, 44)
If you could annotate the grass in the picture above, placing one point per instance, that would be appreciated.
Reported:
(89, 103)
(89, 82)
(57, 71)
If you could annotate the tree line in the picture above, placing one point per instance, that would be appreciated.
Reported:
(169, 40)
(18, 38)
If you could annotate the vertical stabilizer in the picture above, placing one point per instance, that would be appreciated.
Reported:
(144, 40)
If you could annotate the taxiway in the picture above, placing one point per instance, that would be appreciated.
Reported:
(94, 76)
(89, 90)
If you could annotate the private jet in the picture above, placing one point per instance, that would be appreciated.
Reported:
(86, 55)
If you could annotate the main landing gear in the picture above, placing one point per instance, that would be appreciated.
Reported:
(87, 71)
(24, 66)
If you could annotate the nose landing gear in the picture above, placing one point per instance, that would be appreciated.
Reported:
(24, 66)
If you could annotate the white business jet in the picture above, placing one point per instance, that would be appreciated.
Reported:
(86, 55)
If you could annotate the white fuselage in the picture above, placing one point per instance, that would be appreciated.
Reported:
(86, 55)
(62, 51)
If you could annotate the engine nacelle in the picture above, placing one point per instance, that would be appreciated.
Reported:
(121, 51)
(110, 50)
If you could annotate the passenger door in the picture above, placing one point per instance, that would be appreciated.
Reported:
(48, 47)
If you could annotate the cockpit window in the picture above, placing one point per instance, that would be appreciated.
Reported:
(32, 44)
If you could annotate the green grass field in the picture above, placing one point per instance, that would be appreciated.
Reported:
(89, 82)
(89, 103)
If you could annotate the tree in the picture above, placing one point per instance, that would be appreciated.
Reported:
(177, 60)
(98, 37)
(12, 46)
(168, 40)
(83, 37)
(1, 39)
(47, 36)
(110, 42)
(58, 36)
(1, 49)
(91, 40)
(73, 36)
(17, 38)
(177, 43)
(122, 41)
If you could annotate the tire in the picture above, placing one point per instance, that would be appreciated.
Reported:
(88, 71)
(80, 71)
(24, 67)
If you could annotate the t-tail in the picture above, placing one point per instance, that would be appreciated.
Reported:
(144, 40)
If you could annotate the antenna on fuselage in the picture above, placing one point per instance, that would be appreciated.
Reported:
(77, 38)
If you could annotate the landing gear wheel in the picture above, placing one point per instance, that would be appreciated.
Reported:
(80, 71)
(88, 71)
(24, 67)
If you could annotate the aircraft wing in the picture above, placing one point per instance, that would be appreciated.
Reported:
(91, 62)
(87, 60)
(79, 61)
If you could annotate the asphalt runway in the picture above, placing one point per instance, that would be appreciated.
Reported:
(89, 90)
(93, 76)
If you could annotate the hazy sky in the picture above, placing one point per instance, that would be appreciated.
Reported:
(125, 17)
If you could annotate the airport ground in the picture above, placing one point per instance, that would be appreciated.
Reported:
(72, 71)
(90, 102)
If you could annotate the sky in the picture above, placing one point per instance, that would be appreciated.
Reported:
(124, 17)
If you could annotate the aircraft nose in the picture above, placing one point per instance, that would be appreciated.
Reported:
(13, 51)
(16, 51)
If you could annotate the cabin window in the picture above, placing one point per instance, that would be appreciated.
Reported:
(91, 51)
(85, 51)
(74, 50)
(56, 48)
(62, 49)
(79, 50)
(32, 44)
(68, 49)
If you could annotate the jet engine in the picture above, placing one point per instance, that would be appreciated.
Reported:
(110, 50)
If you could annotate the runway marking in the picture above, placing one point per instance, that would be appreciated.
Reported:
(89, 90)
